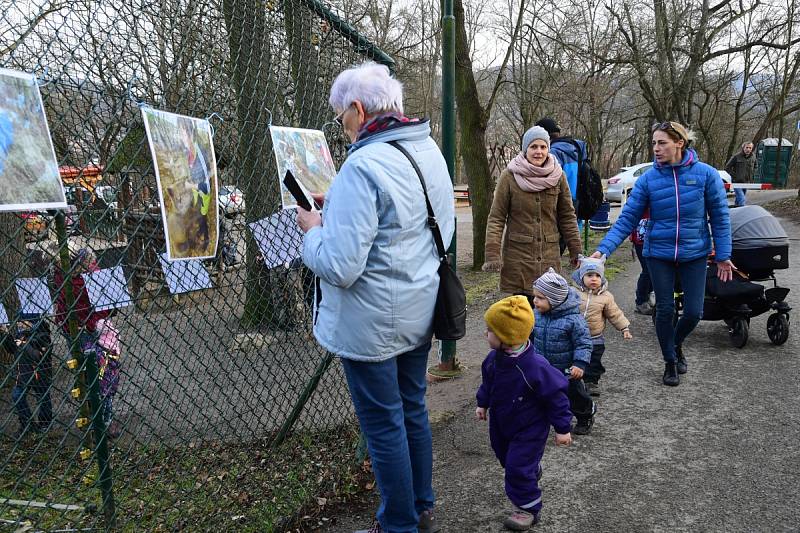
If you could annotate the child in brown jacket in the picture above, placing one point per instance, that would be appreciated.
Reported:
(597, 306)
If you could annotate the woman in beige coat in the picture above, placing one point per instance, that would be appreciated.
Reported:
(533, 204)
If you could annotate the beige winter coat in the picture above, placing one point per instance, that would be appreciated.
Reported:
(597, 307)
(533, 223)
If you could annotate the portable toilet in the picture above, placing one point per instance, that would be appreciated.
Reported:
(767, 158)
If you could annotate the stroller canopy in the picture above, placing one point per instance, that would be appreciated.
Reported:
(752, 227)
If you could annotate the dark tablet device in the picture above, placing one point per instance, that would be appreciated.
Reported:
(296, 191)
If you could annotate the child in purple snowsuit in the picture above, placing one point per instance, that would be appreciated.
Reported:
(524, 396)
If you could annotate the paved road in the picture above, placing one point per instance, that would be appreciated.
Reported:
(718, 453)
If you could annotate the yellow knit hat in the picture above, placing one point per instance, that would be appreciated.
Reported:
(510, 319)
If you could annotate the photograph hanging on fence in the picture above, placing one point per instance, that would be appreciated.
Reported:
(186, 174)
(184, 276)
(306, 154)
(34, 296)
(3, 315)
(279, 239)
(29, 176)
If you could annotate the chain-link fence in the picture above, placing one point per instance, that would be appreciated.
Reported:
(163, 415)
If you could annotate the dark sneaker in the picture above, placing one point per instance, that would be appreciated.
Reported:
(427, 522)
(583, 427)
(680, 361)
(592, 388)
(520, 520)
(671, 377)
(644, 309)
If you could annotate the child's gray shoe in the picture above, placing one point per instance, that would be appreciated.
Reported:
(520, 520)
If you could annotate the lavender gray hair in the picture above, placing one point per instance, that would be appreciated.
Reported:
(372, 85)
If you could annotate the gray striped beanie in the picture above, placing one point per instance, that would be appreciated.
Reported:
(554, 287)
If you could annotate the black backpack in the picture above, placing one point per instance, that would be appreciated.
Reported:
(589, 195)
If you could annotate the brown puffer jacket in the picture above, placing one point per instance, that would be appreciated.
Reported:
(533, 223)
(597, 307)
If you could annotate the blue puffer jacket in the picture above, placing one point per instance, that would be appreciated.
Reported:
(683, 199)
(562, 336)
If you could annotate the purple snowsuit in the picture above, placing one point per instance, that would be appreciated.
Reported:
(525, 396)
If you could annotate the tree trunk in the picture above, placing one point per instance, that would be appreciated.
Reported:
(12, 236)
(472, 122)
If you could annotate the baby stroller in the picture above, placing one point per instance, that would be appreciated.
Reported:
(760, 246)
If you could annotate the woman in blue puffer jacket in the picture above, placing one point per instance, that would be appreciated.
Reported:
(685, 196)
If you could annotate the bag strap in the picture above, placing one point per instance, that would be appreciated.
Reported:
(437, 234)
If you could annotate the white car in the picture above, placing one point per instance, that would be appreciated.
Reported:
(623, 182)
(231, 200)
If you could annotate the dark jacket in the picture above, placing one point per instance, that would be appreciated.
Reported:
(525, 395)
(32, 354)
(741, 167)
(683, 199)
(562, 335)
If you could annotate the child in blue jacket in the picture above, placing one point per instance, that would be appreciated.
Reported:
(561, 335)
(524, 396)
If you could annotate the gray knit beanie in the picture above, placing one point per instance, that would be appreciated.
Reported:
(536, 132)
(554, 287)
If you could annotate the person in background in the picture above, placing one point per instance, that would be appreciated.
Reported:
(374, 254)
(643, 285)
(531, 209)
(741, 168)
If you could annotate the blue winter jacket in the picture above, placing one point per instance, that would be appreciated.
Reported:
(562, 336)
(567, 156)
(683, 199)
(374, 253)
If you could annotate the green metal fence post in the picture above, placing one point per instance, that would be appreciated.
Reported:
(90, 375)
(448, 364)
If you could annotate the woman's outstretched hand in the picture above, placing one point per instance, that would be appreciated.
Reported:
(596, 255)
(725, 270)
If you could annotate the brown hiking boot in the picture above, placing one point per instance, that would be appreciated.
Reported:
(427, 522)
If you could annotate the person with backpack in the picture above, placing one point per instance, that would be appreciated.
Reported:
(531, 210)
(583, 180)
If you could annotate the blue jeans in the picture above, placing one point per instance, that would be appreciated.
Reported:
(693, 283)
(643, 285)
(389, 400)
(740, 195)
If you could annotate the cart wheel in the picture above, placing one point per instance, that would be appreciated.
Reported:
(739, 332)
(778, 328)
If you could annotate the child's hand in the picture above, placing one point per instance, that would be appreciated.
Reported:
(480, 413)
(575, 373)
(563, 439)
(626, 334)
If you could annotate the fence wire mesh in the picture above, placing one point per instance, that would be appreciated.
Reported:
(204, 380)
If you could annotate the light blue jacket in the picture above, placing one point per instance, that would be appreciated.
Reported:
(683, 199)
(374, 254)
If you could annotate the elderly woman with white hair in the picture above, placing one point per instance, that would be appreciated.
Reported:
(376, 259)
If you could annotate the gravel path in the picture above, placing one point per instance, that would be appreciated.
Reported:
(718, 453)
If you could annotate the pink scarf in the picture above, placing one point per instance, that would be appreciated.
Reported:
(531, 178)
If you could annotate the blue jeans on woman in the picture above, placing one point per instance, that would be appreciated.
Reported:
(389, 400)
(643, 285)
(741, 198)
(693, 284)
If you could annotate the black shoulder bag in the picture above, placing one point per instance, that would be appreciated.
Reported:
(450, 313)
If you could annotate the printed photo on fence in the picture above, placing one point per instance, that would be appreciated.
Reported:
(29, 178)
(186, 172)
(34, 296)
(306, 154)
(279, 239)
(3, 315)
(107, 288)
(184, 276)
